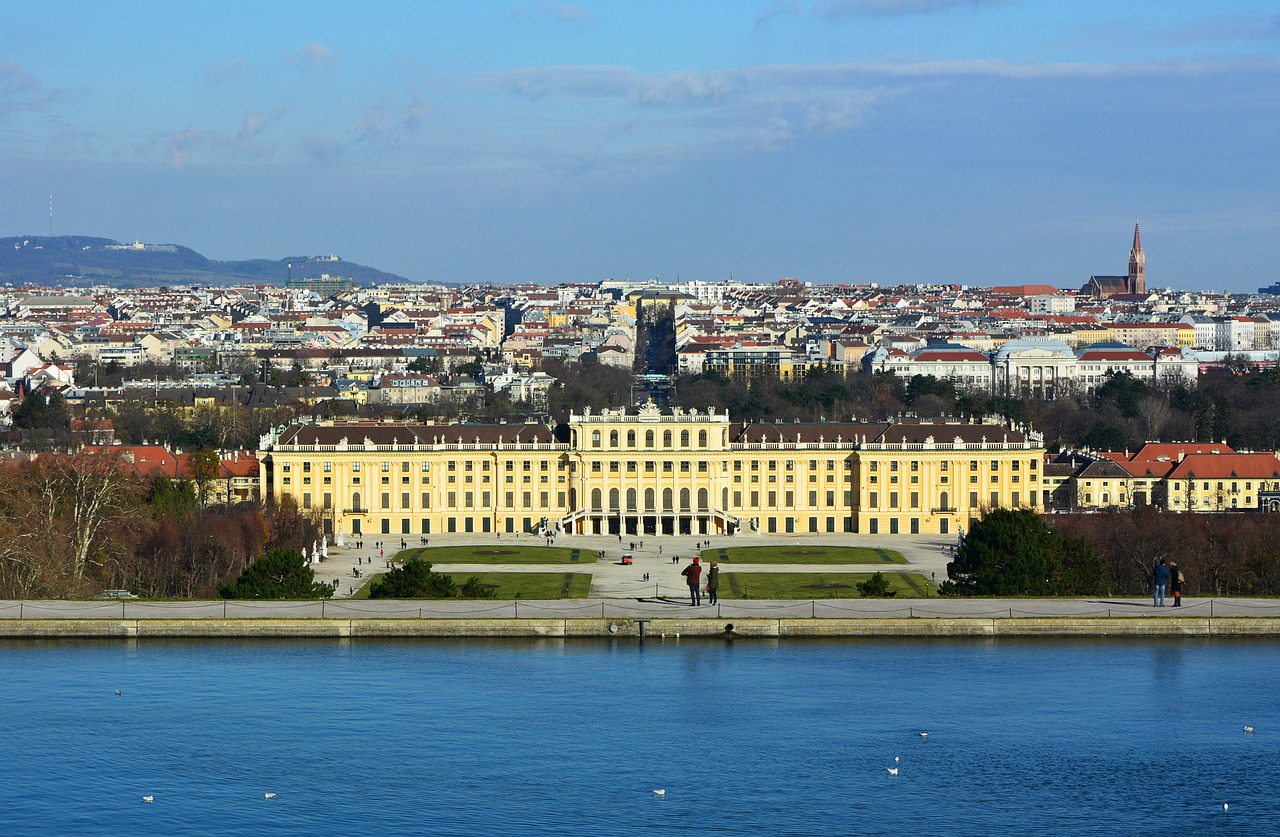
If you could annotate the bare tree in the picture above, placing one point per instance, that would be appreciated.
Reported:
(1154, 413)
(79, 495)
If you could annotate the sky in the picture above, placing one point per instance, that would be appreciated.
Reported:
(893, 141)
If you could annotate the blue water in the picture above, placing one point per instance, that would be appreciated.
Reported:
(548, 737)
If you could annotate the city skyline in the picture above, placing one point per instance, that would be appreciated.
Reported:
(892, 141)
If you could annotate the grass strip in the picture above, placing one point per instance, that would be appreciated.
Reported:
(806, 554)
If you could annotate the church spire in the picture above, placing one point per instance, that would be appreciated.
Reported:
(1137, 264)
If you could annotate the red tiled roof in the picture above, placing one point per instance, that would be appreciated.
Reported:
(1228, 466)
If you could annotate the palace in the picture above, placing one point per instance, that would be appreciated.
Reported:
(647, 470)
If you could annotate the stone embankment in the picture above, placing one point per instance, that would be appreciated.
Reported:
(654, 629)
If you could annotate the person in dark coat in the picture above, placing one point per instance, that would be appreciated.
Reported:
(1175, 583)
(713, 582)
(1161, 579)
(693, 576)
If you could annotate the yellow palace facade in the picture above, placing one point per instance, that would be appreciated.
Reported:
(651, 471)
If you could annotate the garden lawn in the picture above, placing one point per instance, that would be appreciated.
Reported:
(497, 554)
(806, 554)
(818, 585)
(522, 586)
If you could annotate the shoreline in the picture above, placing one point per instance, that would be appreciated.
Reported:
(647, 628)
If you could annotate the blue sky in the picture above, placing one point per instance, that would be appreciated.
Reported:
(974, 141)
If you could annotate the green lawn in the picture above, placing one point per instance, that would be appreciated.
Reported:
(495, 554)
(817, 585)
(509, 586)
(806, 554)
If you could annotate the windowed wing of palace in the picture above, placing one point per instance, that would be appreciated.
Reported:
(653, 471)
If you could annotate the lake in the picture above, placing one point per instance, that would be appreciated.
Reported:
(532, 737)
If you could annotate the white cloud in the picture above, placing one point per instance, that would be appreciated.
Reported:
(886, 8)
(233, 69)
(562, 12)
(314, 54)
(779, 9)
(386, 123)
(840, 113)
(686, 88)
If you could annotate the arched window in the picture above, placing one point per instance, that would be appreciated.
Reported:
(355, 501)
(702, 438)
(666, 438)
(595, 498)
(573, 499)
(1106, 498)
(724, 438)
(648, 438)
(613, 438)
(724, 496)
(684, 438)
(631, 499)
(684, 499)
(666, 499)
(595, 438)
(648, 499)
(631, 438)
(613, 499)
(702, 499)
(942, 500)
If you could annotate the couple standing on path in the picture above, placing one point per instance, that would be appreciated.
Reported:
(693, 577)
(1168, 575)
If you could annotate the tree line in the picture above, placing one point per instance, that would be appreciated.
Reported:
(73, 525)
(1016, 552)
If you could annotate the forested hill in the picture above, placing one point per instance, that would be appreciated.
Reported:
(83, 260)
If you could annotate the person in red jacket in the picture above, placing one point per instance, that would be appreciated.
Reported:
(693, 576)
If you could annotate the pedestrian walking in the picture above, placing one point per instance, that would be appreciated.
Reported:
(1175, 583)
(1161, 578)
(693, 577)
(713, 582)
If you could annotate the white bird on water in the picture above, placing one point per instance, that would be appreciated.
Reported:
(148, 799)
(895, 759)
(1225, 806)
(269, 795)
(892, 771)
(1248, 729)
(924, 735)
(660, 792)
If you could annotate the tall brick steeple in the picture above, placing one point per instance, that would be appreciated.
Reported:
(1137, 264)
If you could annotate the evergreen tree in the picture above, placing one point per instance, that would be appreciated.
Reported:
(1011, 552)
(413, 580)
(278, 574)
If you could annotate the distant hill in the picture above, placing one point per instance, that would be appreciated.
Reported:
(81, 260)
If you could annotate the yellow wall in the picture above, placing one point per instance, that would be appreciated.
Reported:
(657, 473)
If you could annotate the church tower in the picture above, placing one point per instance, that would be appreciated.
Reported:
(1137, 264)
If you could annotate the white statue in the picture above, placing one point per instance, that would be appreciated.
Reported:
(339, 540)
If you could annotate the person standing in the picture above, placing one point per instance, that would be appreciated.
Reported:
(693, 577)
(1161, 580)
(1175, 583)
(713, 582)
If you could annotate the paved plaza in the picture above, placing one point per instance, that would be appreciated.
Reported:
(619, 591)
(611, 579)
